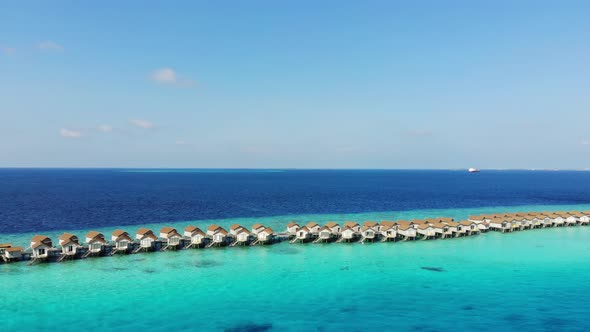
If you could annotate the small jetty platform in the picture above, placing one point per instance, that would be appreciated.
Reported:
(41, 248)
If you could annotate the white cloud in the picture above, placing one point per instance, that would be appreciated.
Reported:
(142, 124)
(180, 142)
(69, 133)
(585, 142)
(8, 50)
(105, 128)
(165, 75)
(49, 45)
(170, 77)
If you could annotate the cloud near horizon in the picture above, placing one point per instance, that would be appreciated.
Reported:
(170, 77)
(8, 50)
(49, 45)
(105, 128)
(144, 124)
(67, 133)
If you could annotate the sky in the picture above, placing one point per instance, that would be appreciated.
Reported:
(295, 84)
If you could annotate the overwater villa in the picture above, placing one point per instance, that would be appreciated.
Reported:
(41, 245)
(302, 235)
(583, 218)
(265, 237)
(69, 246)
(96, 244)
(368, 234)
(569, 219)
(122, 242)
(424, 230)
(388, 231)
(500, 224)
(171, 238)
(292, 228)
(325, 235)
(334, 228)
(257, 228)
(218, 235)
(558, 221)
(348, 234)
(430, 228)
(353, 225)
(12, 254)
(442, 230)
(196, 237)
(147, 240)
(242, 237)
(406, 230)
(314, 228)
(469, 227)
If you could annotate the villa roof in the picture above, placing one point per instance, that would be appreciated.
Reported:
(268, 230)
(213, 228)
(169, 231)
(235, 227)
(347, 228)
(95, 236)
(119, 232)
(194, 229)
(292, 223)
(326, 228)
(67, 237)
(387, 223)
(404, 224)
(39, 240)
(331, 224)
(5, 245)
(366, 227)
(222, 231)
(312, 224)
(143, 231)
(451, 223)
(466, 222)
(351, 224)
(14, 249)
(422, 226)
(370, 224)
(305, 229)
(243, 230)
(257, 226)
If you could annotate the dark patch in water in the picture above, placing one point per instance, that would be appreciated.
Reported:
(149, 270)
(288, 251)
(542, 309)
(346, 268)
(421, 327)
(426, 286)
(467, 307)
(554, 323)
(348, 309)
(250, 327)
(138, 259)
(513, 318)
(432, 268)
(119, 269)
(206, 264)
(539, 246)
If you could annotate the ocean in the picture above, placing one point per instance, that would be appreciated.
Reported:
(533, 280)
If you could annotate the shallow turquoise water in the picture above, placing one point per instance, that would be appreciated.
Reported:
(536, 279)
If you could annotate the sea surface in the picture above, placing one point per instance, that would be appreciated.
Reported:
(529, 280)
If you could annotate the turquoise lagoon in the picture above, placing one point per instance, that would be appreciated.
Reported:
(530, 280)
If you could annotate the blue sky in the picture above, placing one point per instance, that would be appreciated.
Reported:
(309, 84)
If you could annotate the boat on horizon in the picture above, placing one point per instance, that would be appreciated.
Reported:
(473, 170)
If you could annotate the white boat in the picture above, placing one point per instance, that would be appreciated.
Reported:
(473, 170)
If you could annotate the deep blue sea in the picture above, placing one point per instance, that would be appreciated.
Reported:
(33, 200)
(534, 280)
